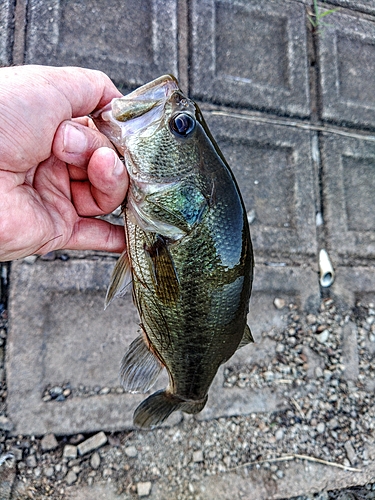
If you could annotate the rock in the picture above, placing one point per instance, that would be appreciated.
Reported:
(279, 434)
(131, 451)
(70, 451)
(31, 461)
(311, 319)
(95, 461)
(92, 443)
(49, 471)
(49, 442)
(321, 427)
(144, 489)
(71, 477)
(198, 456)
(279, 303)
(5, 424)
(318, 372)
(280, 348)
(350, 452)
(55, 391)
(323, 336)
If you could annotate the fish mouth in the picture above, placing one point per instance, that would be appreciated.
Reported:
(124, 116)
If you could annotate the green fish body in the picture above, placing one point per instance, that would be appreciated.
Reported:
(189, 254)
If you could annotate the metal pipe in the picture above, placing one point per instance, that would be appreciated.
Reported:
(327, 273)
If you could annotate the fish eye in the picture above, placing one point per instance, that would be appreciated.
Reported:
(182, 124)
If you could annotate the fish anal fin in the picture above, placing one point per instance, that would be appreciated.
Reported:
(121, 278)
(247, 338)
(163, 271)
(139, 367)
(156, 408)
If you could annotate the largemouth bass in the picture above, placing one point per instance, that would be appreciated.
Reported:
(189, 254)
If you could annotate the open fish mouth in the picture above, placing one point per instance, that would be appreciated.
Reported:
(124, 116)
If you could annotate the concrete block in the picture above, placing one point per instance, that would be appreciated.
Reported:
(349, 187)
(275, 173)
(367, 6)
(347, 57)
(6, 31)
(353, 284)
(59, 335)
(133, 41)
(250, 53)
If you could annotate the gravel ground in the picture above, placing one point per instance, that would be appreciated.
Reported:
(331, 417)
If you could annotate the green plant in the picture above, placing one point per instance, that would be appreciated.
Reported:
(316, 16)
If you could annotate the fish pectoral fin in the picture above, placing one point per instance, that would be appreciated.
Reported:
(247, 338)
(157, 408)
(121, 278)
(164, 273)
(139, 367)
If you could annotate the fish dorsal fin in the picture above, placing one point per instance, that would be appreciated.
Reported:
(247, 338)
(164, 273)
(120, 280)
(139, 367)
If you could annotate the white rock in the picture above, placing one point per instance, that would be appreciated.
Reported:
(131, 451)
(279, 303)
(323, 336)
(144, 489)
(70, 451)
(198, 456)
(92, 443)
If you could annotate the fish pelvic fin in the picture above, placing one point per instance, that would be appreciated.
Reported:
(247, 338)
(157, 408)
(139, 367)
(120, 280)
(164, 273)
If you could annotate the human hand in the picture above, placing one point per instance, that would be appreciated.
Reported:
(57, 172)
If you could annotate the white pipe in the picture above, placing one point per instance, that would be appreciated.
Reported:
(327, 274)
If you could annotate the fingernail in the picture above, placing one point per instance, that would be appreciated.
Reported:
(119, 167)
(74, 140)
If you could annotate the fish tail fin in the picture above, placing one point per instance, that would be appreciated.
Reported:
(157, 408)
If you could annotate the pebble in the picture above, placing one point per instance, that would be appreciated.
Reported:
(323, 336)
(31, 461)
(198, 456)
(318, 372)
(321, 427)
(5, 424)
(49, 471)
(279, 434)
(70, 451)
(49, 442)
(279, 303)
(131, 451)
(350, 452)
(311, 319)
(95, 460)
(144, 489)
(55, 391)
(71, 477)
(92, 443)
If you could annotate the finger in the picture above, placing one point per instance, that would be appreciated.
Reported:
(75, 143)
(34, 100)
(107, 185)
(96, 234)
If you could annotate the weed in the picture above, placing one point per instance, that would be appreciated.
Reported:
(316, 16)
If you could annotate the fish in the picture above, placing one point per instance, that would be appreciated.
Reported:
(188, 257)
